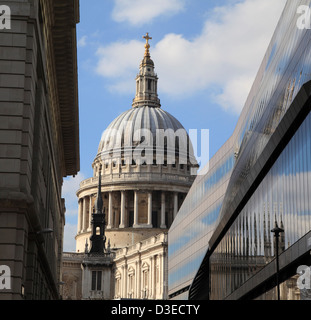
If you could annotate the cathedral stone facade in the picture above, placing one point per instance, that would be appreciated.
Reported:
(146, 165)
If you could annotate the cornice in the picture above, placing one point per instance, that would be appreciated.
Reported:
(66, 16)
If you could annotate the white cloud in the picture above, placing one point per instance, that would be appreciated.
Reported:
(226, 55)
(113, 63)
(235, 92)
(70, 187)
(138, 12)
(120, 67)
(82, 42)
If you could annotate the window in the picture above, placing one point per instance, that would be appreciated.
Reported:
(96, 280)
(118, 285)
(145, 284)
(98, 231)
(145, 280)
(131, 283)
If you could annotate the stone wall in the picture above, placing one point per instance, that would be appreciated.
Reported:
(33, 148)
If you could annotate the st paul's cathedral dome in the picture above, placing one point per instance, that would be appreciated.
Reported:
(147, 166)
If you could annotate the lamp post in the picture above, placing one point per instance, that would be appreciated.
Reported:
(45, 231)
(38, 235)
(277, 232)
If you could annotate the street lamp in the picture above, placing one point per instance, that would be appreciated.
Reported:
(277, 232)
(45, 231)
(38, 235)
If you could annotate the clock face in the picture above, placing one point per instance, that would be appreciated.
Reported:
(149, 69)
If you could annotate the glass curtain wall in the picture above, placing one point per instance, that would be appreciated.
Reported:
(187, 244)
(283, 196)
(285, 68)
(288, 68)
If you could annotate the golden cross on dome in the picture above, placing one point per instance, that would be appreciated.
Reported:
(147, 37)
(147, 46)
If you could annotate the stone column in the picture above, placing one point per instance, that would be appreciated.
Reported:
(135, 285)
(84, 215)
(110, 213)
(80, 216)
(150, 209)
(138, 278)
(125, 280)
(122, 218)
(161, 273)
(163, 225)
(90, 212)
(175, 204)
(165, 273)
(151, 281)
(135, 209)
(122, 289)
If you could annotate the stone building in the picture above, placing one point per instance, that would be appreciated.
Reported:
(147, 167)
(39, 142)
(141, 270)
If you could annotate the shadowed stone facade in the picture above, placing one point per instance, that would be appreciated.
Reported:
(39, 141)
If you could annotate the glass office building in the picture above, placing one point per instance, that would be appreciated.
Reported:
(221, 245)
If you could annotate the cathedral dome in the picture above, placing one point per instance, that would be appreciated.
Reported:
(148, 127)
(143, 170)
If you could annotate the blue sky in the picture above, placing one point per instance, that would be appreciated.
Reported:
(206, 55)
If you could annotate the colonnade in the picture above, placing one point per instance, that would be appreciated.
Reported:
(120, 208)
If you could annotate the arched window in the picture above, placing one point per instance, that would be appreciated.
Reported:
(118, 285)
(98, 231)
(145, 281)
(131, 283)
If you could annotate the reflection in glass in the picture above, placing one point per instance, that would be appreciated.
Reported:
(282, 196)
